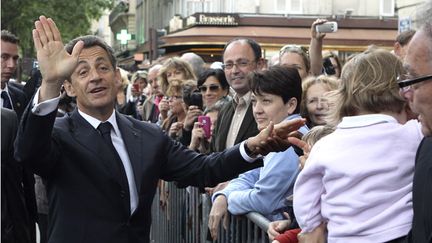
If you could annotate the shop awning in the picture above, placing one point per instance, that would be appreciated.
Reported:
(268, 37)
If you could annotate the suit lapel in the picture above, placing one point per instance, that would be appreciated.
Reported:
(90, 139)
(224, 125)
(132, 139)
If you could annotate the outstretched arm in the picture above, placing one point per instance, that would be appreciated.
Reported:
(55, 63)
(315, 49)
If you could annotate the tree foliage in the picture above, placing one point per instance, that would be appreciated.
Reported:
(73, 17)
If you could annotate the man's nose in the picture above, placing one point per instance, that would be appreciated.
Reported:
(11, 62)
(94, 74)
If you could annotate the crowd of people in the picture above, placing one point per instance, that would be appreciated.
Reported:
(327, 151)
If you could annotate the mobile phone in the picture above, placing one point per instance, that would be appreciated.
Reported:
(196, 99)
(328, 67)
(206, 124)
(327, 27)
(136, 87)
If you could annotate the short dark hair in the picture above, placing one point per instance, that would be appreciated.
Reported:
(252, 43)
(90, 41)
(7, 36)
(282, 81)
(404, 37)
(219, 74)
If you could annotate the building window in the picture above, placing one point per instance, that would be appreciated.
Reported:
(198, 6)
(289, 6)
(387, 7)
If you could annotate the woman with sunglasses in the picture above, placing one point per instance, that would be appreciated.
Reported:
(213, 86)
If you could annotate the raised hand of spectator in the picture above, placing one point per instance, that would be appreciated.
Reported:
(302, 145)
(218, 212)
(191, 116)
(314, 33)
(197, 136)
(175, 128)
(315, 48)
(163, 108)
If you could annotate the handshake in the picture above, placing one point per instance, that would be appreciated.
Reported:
(274, 138)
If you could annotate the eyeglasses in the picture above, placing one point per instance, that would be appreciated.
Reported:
(317, 100)
(212, 87)
(240, 64)
(295, 48)
(405, 81)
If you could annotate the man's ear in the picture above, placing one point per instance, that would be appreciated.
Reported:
(260, 63)
(118, 78)
(397, 48)
(291, 105)
(70, 91)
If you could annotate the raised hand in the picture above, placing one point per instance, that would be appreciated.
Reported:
(56, 65)
(274, 137)
(314, 33)
(302, 145)
(286, 128)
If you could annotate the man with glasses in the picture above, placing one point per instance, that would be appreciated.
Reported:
(235, 121)
(416, 87)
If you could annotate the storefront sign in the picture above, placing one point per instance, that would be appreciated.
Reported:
(217, 19)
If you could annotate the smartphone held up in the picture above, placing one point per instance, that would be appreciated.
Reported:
(206, 125)
(327, 27)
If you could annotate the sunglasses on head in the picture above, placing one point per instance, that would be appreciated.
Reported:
(212, 87)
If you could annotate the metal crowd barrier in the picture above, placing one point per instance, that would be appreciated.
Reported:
(185, 216)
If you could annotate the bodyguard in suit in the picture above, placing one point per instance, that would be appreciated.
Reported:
(17, 223)
(12, 95)
(102, 167)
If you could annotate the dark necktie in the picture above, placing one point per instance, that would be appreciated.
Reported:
(105, 130)
(6, 101)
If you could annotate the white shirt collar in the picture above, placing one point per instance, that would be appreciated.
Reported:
(95, 122)
(5, 89)
(365, 120)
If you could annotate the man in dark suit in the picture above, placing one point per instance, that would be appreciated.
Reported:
(417, 89)
(12, 95)
(102, 167)
(17, 224)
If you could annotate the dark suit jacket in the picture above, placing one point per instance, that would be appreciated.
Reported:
(17, 222)
(88, 200)
(248, 127)
(421, 231)
(18, 97)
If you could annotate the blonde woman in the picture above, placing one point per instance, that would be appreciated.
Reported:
(314, 104)
(359, 178)
(174, 69)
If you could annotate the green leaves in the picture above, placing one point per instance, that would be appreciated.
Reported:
(73, 18)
